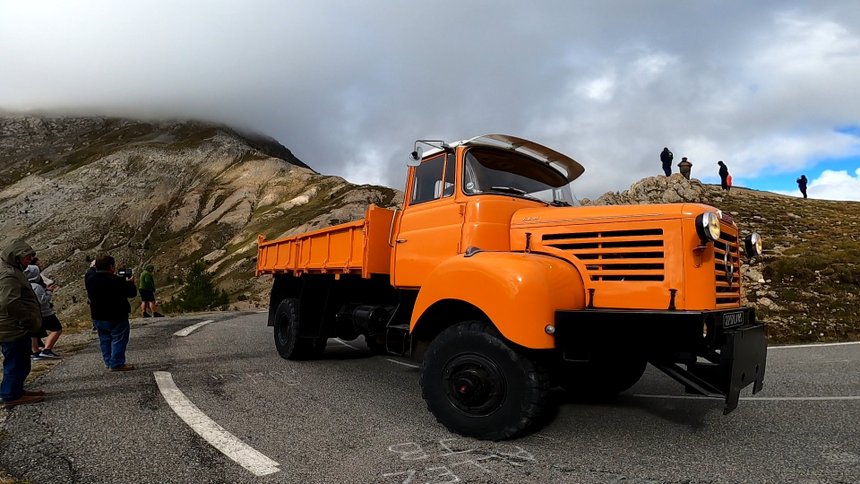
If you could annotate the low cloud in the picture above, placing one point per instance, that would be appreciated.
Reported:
(349, 86)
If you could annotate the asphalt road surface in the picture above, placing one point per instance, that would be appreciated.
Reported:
(352, 417)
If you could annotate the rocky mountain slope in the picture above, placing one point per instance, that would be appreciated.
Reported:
(806, 284)
(172, 193)
(167, 193)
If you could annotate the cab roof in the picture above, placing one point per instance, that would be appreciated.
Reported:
(570, 168)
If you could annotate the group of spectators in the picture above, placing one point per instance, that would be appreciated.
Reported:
(27, 315)
(666, 157)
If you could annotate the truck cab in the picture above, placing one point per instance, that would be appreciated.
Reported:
(464, 196)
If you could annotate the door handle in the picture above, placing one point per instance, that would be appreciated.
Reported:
(400, 241)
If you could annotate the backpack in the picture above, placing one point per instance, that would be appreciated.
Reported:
(729, 180)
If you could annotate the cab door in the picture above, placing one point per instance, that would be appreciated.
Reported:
(430, 225)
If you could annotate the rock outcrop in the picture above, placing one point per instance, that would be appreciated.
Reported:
(657, 189)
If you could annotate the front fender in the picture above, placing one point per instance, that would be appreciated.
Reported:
(519, 292)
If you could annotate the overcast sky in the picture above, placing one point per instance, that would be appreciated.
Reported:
(771, 87)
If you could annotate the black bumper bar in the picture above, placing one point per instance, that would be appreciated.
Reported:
(714, 353)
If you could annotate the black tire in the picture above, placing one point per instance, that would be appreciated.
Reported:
(287, 324)
(478, 386)
(601, 379)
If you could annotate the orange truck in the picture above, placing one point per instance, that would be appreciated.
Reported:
(501, 288)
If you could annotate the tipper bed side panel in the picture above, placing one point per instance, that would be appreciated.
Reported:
(334, 249)
(359, 247)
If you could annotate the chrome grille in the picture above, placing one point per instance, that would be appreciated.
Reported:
(616, 255)
(727, 265)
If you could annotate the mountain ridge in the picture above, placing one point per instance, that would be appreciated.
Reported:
(167, 193)
(175, 192)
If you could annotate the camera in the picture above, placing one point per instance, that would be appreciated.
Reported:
(125, 273)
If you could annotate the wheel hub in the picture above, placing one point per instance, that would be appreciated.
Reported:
(474, 384)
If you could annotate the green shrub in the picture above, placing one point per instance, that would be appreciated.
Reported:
(199, 293)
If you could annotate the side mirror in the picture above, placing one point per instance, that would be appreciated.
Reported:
(415, 157)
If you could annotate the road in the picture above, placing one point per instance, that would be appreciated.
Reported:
(352, 417)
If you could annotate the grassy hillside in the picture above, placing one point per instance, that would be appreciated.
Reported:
(811, 264)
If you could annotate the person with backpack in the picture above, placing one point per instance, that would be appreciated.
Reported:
(146, 288)
(666, 157)
(51, 327)
(801, 183)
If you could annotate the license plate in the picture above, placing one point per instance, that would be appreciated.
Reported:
(730, 320)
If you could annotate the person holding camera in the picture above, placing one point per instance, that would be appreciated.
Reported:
(20, 316)
(109, 291)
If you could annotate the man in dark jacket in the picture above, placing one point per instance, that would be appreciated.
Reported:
(801, 183)
(724, 175)
(109, 294)
(20, 315)
(666, 157)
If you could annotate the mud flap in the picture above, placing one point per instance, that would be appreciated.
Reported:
(743, 356)
(745, 351)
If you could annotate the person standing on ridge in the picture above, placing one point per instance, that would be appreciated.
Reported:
(724, 175)
(20, 316)
(147, 293)
(666, 157)
(801, 183)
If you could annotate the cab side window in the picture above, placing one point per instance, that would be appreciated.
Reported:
(427, 182)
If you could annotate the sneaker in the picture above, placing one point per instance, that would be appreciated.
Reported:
(46, 353)
(158, 315)
(147, 315)
(125, 367)
(24, 400)
(36, 356)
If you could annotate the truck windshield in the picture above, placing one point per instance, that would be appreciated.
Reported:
(504, 172)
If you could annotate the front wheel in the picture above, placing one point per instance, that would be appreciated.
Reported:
(478, 386)
(287, 340)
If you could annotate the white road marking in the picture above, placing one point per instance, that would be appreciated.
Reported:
(240, 452)
(749, 399)
(816, 345)
(345, 343)
(410, 365)
(186, 331)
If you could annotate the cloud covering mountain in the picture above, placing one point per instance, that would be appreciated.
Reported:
(767, 86)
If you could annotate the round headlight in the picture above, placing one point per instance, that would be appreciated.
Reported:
(708, 226)
(753, 244)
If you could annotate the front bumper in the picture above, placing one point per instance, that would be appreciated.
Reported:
(714, 353)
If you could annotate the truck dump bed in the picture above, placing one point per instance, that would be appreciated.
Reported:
(360, 247)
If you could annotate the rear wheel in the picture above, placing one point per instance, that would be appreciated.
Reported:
(287, 329)
(601, 379)
(478, 386)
